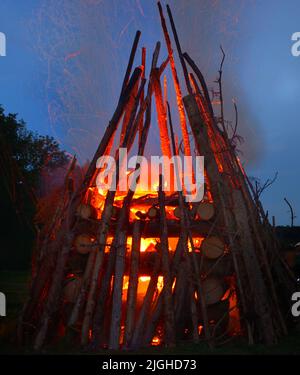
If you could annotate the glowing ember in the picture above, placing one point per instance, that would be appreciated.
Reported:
(200, 329)
(155, 341)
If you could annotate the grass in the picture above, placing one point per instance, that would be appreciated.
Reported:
(15, 284)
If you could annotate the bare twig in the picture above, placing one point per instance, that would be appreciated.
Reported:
(219, 81)
(260, 188)
(291, 210)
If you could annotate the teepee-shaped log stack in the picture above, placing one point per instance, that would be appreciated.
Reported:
(131, 270)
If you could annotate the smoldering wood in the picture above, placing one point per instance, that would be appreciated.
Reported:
(116, 312)
(133, 283)
(180, 106)
(138, 332)
(169, 318)
(250, 255)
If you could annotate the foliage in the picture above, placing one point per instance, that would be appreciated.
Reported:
(30, 151)
(24, 156)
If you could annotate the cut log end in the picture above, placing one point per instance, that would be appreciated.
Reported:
(213, 247)
(85, 211)
(153, 212)
(205, 211)
(85, 243)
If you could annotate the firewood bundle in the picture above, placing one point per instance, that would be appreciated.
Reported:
(153, 269)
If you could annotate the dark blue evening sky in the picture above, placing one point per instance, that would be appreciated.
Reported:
(66, 59)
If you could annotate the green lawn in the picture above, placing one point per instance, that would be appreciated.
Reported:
(14, 285)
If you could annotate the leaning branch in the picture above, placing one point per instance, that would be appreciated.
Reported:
(291, 210)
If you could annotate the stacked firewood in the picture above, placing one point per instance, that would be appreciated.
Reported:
(230, 281)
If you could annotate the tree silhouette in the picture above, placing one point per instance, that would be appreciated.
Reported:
(23, 156)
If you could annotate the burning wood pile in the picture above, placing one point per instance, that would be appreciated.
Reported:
(128, 270)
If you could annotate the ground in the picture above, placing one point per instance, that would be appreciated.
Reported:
(15, 285)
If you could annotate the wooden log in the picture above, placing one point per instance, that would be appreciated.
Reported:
(239, 267)
(212, 247)
(184, 68)
(134, 118)
(184, 302)
(185, 222)
(130, 63)
(54, 225)
(179, 295)
(142, 97)
(153, 213)
(128, 112)
(194, 314)
(131, 101)
(202, 82)
(259, 229)
(57, 260)
(72, 289)
(40, 282)
(165, 85)
(116, 212)
(186, 141)
(260, 295)
(83, 290)
(141, 215)
(51, 305)
(138, 332)
(85, 243)
(220, 268)
(158, 308)
(152, 200)
(43, 269)
(205, 211)
(116, 313)
(177, 212)
(213, 290)
(150, 228)
(102, 237)
(203, 143)
(133, 283)
(161, 115)
(86, 211)
(169, 319)
(219, 191)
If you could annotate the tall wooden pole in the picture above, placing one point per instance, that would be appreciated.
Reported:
(133, 282)
(169, 320)
(184, 129)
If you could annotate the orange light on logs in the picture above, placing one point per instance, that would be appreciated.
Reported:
(155, 341)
